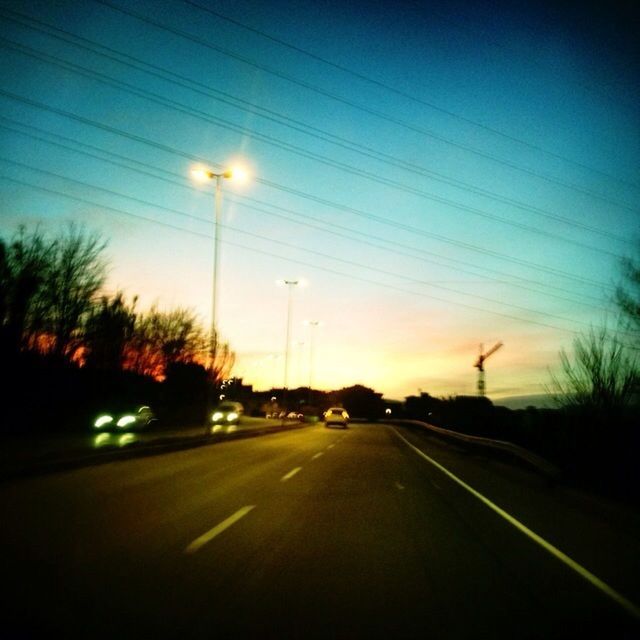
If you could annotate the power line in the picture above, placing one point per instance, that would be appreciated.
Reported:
(299, 126)
(313, 198)
(238, 199)
(285, 244)
(405, 94)
(202, 115)
(288, 259)
(332, 230)
(362, 107)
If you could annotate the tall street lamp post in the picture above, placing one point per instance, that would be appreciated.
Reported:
(290, 284)
(202, 174)
(313, 324)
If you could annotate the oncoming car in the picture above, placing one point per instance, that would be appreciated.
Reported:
(336, 416)
(226, 414)
(132, 418)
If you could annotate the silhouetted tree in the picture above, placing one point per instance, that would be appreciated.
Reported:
(628, 297)
(163, 338)
(108, 330)
(74, 275)
(360, 401)
(184, 392)
(24, 267)
(221, 361)
(601, 375)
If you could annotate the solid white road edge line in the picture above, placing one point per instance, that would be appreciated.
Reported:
(290, 474)
(618, 598)
(218, 529)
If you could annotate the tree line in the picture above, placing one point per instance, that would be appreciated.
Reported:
(56, 315)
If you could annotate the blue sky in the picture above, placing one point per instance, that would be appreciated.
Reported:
(442, 174)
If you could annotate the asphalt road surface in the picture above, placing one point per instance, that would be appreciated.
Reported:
(315, 533)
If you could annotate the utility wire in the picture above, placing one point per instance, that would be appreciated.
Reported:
(313, 198)
(287, 259)
(270, 140)
(306, 250)
(405, 94)
(291, 123)
(361, 107)
(178, 180)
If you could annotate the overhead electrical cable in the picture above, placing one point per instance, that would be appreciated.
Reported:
(296, 125)
(286, 146)
(288, 259)
(407, 95)
(361, 107)
(351, 234)
(324, 201)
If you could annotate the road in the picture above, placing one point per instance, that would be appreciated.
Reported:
(314, 533)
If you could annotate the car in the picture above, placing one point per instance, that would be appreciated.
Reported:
(125, 419)
(336, 416)
(226, 414)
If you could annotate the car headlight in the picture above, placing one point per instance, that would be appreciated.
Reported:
(232, 416)
(217, 416)
(102, 421)
(126, 420)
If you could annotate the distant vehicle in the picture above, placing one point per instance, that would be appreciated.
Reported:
(226, 414)
(336, 416)
(129, 419)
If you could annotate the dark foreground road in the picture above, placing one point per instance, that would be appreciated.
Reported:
(313, 533)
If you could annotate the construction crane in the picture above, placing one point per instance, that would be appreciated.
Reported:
(479, 364)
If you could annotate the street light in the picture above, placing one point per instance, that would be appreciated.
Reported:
(290, 284)
(300, 346)
(202, 174)
(312, 348)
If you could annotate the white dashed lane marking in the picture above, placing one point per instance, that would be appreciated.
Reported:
(199, 542)
(290, 474)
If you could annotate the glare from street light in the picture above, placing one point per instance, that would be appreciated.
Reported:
(238, 174)
(201, 174)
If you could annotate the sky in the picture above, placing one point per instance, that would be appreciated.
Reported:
(442, 175)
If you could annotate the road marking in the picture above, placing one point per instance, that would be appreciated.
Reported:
(290, 474)
(331, 446)
(318, 455)
(399, 486)
(218, 529)
(618, 598)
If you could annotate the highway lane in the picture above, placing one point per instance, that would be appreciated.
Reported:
(314, 532)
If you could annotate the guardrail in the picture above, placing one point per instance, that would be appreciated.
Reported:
(531, 459)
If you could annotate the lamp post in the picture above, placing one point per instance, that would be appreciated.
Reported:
(290, 285)
(312, 346)
(300, 346)
(202, 174)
